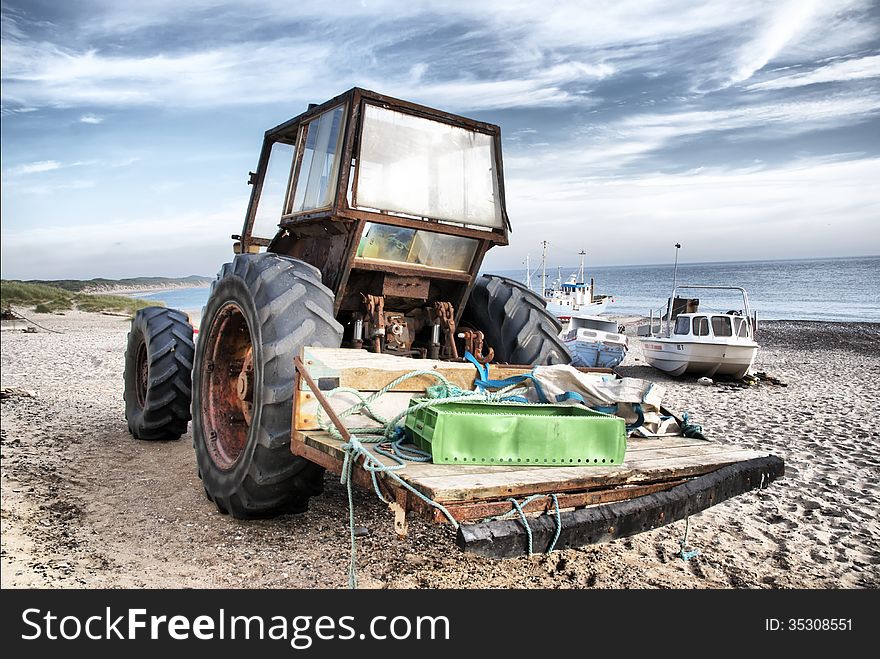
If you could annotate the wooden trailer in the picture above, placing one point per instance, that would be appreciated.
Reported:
(661, 480)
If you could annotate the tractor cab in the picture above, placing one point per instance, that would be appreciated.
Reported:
(395, 203)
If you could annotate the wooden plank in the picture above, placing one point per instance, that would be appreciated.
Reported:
(360, 477)
(478, 510)
(448, 483)
(638, 444)
(490, 486)
(483, 509)
(367, 371)
(306, 418)
(648, 450)
(329, 449)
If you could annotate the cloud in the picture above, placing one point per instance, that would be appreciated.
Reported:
(7, 111)
(851, 69)
(543, 88)
(52, 75)
(540, 55)
(625, 142)
(790, 19)
(43, 166)
(91, 119)
(34, 167)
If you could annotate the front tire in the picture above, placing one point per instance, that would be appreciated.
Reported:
(158, 365)
(262, 310)
(515, 322)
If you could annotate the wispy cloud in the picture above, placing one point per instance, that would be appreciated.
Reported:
(786, 23)
(851, 69)
(42, 166)
(621, 143)
(91, 119)
(543, 88)
(540, 54)
(48, 74)
(34, 167)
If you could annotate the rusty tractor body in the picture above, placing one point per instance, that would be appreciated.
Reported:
(368, 221)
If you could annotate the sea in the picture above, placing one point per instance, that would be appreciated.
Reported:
(837, 289)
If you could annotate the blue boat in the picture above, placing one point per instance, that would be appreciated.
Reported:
(594, 341)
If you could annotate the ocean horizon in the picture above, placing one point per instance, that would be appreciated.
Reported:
(841, 289)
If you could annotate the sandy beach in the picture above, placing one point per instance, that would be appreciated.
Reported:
(85, 505)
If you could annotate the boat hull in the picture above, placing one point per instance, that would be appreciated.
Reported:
(594, 348)
(699, 359)
(594, 308)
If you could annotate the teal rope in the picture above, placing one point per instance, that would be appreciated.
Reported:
(518, 509)
(524, 519)
(687, 554)
(688, 429)
(558, 523)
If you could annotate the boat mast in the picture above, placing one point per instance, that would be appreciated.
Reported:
(672, 296)
(528, 273)
(581, 276)
(544, 244)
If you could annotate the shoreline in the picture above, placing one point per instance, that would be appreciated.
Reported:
(155, 288)
(86, 505)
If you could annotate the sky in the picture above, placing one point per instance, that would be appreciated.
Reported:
(743, 130)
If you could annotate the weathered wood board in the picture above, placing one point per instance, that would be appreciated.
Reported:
(647, 461)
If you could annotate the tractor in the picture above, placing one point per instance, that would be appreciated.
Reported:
(368, 221)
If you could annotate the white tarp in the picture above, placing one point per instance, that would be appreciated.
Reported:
(603, 390)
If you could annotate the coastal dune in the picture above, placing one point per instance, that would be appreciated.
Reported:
(85, 505)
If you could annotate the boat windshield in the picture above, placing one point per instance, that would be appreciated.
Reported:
(741, 327)
(682, 325)
(721, 326)
(701, 326)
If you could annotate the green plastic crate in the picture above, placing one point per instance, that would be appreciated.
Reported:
(516, 433)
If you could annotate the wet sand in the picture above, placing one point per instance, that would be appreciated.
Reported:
(85, 505)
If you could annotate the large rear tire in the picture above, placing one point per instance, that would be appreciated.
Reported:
(261, 311)
(515, 322)
(158, 366)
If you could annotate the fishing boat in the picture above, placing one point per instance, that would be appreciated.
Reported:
(573, 295)
(701, 343)
(594, 341)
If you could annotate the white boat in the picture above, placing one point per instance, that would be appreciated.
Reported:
(703, 343)
(594, 341)
(573, 295)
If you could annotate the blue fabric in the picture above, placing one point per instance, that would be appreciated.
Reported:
(482, 380)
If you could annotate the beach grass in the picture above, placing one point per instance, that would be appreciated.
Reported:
(43, 298)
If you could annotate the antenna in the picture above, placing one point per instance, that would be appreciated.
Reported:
(528, 273)
(672, 297)
(544, 244)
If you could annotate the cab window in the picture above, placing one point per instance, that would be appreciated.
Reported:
(682, 325)
(721, 326)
